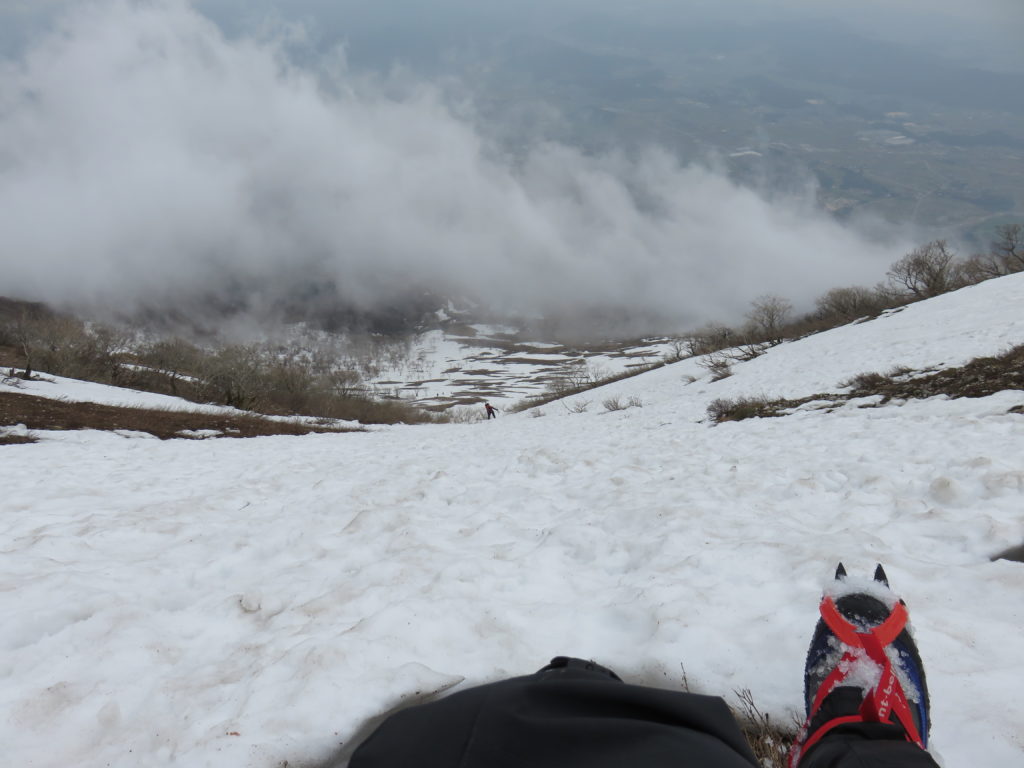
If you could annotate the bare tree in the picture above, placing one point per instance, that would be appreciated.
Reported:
(233, 376)
(710, 338)
(768, 315)
(718, 365)
(175, 358)
(927, 271)
(679, 349)
(848, 303)
(24, 339)
(1008, 248)
(1005, 256)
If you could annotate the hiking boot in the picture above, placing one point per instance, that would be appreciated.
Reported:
(862, 665)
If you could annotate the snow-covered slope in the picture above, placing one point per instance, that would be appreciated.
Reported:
(444, 368)
(247, 602)
(76, 391)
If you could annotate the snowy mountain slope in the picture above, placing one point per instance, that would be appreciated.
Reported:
(248, 602)
(77, 391)
(948, 330)
(494, 363)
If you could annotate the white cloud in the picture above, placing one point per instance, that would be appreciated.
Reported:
(144, 157)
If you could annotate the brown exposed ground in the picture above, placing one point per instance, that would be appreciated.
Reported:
(47, 414)
(17, 439)
(981, 377)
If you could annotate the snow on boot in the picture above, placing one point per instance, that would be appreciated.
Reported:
(862, 665)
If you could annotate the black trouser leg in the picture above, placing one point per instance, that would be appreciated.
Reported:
(571, 714)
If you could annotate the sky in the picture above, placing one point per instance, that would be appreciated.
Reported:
(148, 153)
(987, 30)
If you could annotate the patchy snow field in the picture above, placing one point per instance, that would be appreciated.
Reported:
(248, 602)
(443, 368)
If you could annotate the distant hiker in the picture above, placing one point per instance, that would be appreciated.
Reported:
(865, 691)
(492, 413)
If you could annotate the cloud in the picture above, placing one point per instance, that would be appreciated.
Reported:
(145, 158)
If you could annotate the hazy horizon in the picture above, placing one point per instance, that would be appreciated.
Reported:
(150, 152)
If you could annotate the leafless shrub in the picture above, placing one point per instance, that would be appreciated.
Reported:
(575, 377)
(291, 383)
(536, 413)
(679, 349)
(613, 404)
(577, 406)
(873, 381)
(64, 346)
(280, 381)
(927, 271)
(174, 361)
(768, 316)
(557, 391)
(1005, 256)
(634, 402)
(752, 346)
(232, 376)
(464, 415)
(718, 365)
(981, 267)
(1008, 248)
(864, 381)
(341, 383)
(770, 742)
(845, 304)
(711, 338)
(18, 439)
(892, 296)
(742, 408)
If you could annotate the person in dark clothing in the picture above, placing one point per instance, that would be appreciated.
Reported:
(492, 412)
(577, 714)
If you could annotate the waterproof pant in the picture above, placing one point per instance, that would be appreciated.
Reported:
(577, 714)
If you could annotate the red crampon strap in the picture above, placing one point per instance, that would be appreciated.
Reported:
(885, 698)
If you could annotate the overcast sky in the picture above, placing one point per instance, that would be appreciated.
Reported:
(986, 30)
(146, 155)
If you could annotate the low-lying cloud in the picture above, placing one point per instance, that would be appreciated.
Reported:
(144, 158)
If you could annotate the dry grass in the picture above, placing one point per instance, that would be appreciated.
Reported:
(42, 413)
(864, 381)
(743, 408)
(981, 377)
(769, 741)
(18, 439)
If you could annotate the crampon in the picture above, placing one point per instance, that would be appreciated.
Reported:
(863, 665)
